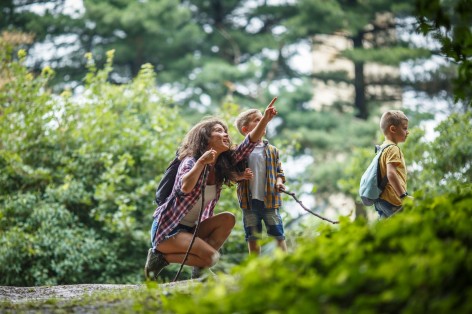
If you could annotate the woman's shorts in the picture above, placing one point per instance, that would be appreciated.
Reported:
(172, 233)
(253, 218)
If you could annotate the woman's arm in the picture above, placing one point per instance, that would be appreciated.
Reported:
(190, 179)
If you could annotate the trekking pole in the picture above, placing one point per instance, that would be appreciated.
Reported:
(196, 226)
(301, 204)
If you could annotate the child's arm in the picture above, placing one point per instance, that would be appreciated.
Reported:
(258, 132)
(393, 179)
(279, 185)
(246, 175)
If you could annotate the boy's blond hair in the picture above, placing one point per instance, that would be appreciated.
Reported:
(244, 118)
(392, 117)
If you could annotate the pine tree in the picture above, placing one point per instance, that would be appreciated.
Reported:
(371, 31)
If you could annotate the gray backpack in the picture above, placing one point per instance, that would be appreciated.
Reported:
(372, 183)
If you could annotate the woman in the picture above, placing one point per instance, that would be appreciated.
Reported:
(207, 162)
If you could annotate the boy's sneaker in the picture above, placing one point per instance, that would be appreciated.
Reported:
(155, 262)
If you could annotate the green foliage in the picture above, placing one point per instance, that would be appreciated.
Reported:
(214, 51)
(388, 55)
(43, 243)
(156, 32)
(331, 138)
(89, 164)
(416, 262)
(449, 22)
(369, 30)
(79, 174)
(445, 162)
(203, 48)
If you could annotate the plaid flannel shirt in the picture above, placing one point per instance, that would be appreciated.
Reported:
(170, 213)
(272, 199)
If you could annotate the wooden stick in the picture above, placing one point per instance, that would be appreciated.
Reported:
(301, 204)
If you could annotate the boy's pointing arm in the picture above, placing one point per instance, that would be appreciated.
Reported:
(269, 113)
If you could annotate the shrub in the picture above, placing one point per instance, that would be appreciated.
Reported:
(418, 261)
(79, 173)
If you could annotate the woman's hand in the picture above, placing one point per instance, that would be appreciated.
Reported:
(208, 157)
(189, 180)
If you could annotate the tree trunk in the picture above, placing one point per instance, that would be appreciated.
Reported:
(359, 82)
(360, 211)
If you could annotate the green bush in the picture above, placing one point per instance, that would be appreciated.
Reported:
(418, 261)
(79, 173)
(45, 244)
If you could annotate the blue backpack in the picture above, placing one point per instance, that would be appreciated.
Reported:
(372, 183)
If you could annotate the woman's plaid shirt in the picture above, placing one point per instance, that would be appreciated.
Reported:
(272, 199)
(170, 213)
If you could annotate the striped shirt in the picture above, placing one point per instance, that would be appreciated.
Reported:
(169, 214)
(272, 199)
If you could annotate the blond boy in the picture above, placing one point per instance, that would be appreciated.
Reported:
(394, 125)
(259, 187)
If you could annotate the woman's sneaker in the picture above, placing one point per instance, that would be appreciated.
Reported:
(202, 273)
(196, 272)
(155, 262)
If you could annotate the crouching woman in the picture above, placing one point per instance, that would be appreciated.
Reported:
(207, 162)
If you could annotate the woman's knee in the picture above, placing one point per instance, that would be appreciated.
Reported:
(228, 219)
(210, 259)
(215, 257)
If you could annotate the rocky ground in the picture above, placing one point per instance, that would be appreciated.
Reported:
(73, 298)
(27, 294)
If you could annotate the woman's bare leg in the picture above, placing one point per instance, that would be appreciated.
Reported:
(212, 233)
(175, 248)
(216, 229)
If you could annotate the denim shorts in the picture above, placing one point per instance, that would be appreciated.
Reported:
(253, 218)
(172, 233)
(385, 209)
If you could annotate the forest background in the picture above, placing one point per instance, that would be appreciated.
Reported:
(95, 100)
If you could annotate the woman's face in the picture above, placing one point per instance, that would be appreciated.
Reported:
(219, 139)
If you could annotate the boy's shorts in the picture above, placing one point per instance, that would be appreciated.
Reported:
(252, 220)
(385, 209)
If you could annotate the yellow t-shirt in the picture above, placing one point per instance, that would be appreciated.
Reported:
(393, 155)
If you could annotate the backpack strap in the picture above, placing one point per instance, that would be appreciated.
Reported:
(164, 190)
(381, 181)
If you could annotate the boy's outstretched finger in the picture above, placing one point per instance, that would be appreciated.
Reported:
(272, 102)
